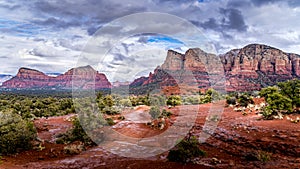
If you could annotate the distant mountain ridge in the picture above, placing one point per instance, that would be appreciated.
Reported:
(27, 78)
(249, 68)
(256, 66)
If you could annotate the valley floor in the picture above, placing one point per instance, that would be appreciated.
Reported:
(235, 142)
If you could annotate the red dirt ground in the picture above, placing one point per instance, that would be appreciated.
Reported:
(236, 139)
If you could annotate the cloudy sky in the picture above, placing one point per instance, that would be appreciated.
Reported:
(51, 35)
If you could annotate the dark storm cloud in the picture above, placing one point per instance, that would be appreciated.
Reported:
(233, 19)
(88, 14)
(10, 7)
(58, 23)
(238, 4)
(39, 40)
(263, 2)
(92, 30)
(291, 3)
(175, 1)
(211, 23)
(230, 19)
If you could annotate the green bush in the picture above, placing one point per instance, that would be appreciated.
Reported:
(30, 107)
(157, 101)
(125, 103)
(230, 100)
(291, 89)
(277, 103)
(77, 133)
(121, 118)
(195, 99)
(174, 100)
(110, 121)
(185, 151)
(245, 99)
(111, 110)
(265, 92)
(212, 95)
(263, 156)
(74, 149)
(15, 133)
(166, 113)
(282, 99)
(267, 113)
(154, 112)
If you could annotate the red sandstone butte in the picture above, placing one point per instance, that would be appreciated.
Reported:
(86, 78)
(247, 69)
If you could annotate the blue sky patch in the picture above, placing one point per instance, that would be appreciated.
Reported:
(163, 39)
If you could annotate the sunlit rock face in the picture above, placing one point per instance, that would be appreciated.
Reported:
(256, 66)
(247, 69)
(82, 77)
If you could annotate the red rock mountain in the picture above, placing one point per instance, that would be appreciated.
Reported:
(256, 66)
(82, 77)
(247, 69)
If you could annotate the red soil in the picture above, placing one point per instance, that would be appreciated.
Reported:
(232, 145)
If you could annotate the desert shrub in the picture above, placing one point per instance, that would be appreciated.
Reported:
(134, 100)
(110, 121)
(291, 89)
(245, 99)
(154, 112)
(185, 151)
(230, 100)
(111, 110)
(15, 133)
(140, 100)
(267, 113)
(108, 100)
(282, 99)
(157, 101)
(74, 149)
(174, 100)
(265, 92)
(192, 100)
(77, 133)
(166, 113)
(263, 156)
(277, 104)
(121, 118)
(125, 102)
(30, 107)
(205, 99)
(212, 95)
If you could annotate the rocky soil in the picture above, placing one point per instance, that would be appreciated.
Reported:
(236, 143)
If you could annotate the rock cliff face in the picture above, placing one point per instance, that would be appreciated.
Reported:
(84, 77)
(247, 69)
(256, 66)
(195, 69)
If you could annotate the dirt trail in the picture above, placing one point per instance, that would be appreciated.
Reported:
(233, 144)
